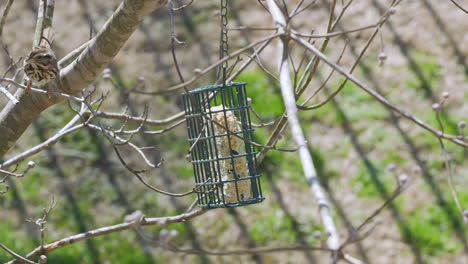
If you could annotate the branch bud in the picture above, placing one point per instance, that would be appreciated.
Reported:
(382, 58)
(318, 235)
(403, 179)
(461, 124)
(31, 164)
(465, 214)
(106, 74)
(416, 169)
(197, 71)
(378, 221)
(391, 167)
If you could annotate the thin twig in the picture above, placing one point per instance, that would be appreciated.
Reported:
(146, 221)
(17, 256)
(252, 28)
(208, 69)
(447, 163)
(181, 7)
(5, 15)
(459, 6)
(10, 97)
(324, 83)
(17, 175)
(149, 132)
(19, 85)
(337, 34)
(124, 117)
(376, 95)
(257, 250)
(303, 83)
(296, 11)
(44, 145)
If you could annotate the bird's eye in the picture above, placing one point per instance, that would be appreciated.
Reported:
(44, 59)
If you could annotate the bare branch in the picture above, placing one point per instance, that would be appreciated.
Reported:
(437, 107)
(31, 165)
(208, 69)
(160, 221)
(44, 145)
(134, 119)
(80, 73)
(42, 221)
(5, 15)
(182, 6)
(148, 132)
(376, 95)
(257, 250)
(354, 234)
(17, 256)
(289, 99)
(8, 95)
(303, 83)
(459, 6)
(337, 34)
(41, 91)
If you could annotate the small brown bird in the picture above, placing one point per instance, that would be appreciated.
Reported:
(40, 66)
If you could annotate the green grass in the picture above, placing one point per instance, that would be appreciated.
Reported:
(179, 145)
(115, 248)
(429, 67)
(266, 100)
(35, 177)
(76, 253)
(272, 227)
(16, 241)
(432, 231)
(430, 227)
(184, 170)
(367, 185)
(360, 106)
(287, 164)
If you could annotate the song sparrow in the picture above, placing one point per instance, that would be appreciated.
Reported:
(40, 67)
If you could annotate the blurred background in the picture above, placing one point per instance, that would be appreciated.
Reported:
(354, 139)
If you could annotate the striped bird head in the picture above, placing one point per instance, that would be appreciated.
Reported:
(43, 56)
(41, 66)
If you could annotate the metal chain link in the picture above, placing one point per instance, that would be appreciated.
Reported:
(224, 48)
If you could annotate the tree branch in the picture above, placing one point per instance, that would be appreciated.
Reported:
(134, 119)
(5, 15)
(289, 99)
(376, 95)
(14, 119)
(111, 229)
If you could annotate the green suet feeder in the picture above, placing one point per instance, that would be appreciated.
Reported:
(220, 136)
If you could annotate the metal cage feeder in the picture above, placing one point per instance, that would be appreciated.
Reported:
(220, 135)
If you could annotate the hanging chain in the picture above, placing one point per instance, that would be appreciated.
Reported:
(224, 48)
